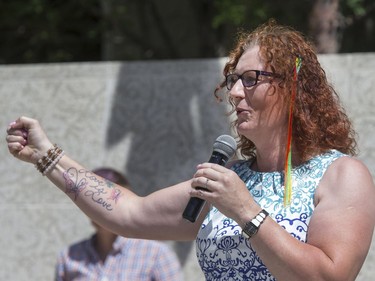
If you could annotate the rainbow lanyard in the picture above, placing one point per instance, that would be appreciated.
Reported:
(288, 154)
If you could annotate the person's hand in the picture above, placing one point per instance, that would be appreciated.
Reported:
(27, 140)
(223, 189)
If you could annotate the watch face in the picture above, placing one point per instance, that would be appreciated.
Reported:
(250, 229)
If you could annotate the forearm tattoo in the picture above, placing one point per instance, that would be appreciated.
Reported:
(101, 191)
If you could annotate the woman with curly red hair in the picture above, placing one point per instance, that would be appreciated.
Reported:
(317, 104)
(296, 206)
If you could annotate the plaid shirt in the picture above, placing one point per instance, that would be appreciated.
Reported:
(130, 259)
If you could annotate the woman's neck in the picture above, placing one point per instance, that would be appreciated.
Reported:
(268, 160)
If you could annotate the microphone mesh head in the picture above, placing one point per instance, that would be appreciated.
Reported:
(226, 145)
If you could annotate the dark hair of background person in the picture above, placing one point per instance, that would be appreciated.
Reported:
(112, 175)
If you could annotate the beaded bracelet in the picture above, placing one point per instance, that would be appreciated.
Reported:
(54, 163)
(48, 161)
(43, 162)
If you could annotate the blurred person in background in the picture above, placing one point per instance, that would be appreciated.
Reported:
(106, 256)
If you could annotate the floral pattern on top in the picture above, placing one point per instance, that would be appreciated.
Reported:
(224, 254)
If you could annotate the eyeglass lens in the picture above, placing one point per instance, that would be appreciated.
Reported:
(249, 78)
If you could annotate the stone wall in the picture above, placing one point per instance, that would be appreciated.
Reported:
(152, 120)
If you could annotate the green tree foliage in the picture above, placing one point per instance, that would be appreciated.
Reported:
(50, 31)
(358, 26)
(37, 31)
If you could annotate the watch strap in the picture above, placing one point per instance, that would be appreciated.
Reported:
(252, 227)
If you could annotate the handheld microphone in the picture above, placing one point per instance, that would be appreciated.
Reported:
(224, 148)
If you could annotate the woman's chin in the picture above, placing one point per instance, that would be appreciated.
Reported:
(244, 127)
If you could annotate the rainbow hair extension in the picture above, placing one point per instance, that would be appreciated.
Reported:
(288, 154)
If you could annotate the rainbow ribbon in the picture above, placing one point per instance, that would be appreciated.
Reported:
(288, 154)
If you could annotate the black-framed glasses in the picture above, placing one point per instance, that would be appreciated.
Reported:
(249, 78)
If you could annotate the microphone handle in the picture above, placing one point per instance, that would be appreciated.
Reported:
(195, 204)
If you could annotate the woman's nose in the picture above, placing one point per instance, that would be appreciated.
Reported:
(238, 90)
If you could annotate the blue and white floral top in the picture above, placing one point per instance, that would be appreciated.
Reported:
(224, 254)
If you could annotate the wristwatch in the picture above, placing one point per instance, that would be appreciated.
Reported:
(252, 227)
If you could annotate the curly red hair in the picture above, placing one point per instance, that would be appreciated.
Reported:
(319, 120)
